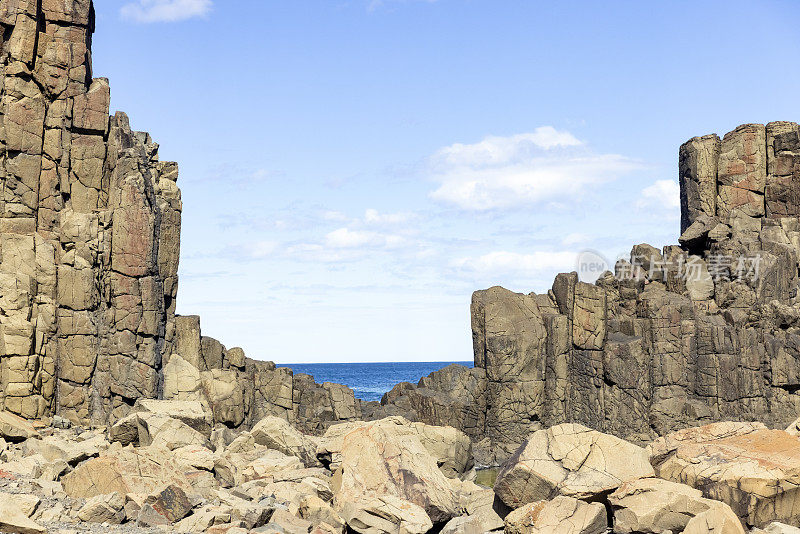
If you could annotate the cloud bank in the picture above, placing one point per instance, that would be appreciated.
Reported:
(521, 170)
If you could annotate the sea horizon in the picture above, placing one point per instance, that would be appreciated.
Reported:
(371, 380)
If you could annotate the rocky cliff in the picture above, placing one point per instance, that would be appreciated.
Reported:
(90, 227)
(704, 331)
(89, 250)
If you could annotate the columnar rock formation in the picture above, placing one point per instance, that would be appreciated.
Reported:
(90, 227)
(701, 332)
(89, 243)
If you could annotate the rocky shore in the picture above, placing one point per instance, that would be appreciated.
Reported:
(652, 401)
(167, 467)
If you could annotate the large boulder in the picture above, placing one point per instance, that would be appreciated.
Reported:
(124, 471)
(653, 506)
(14, 428)
(278, 434)
(146, 428)
(562, 515)
(478, 505)
(15, 514)
(193, 413)
(452, 396)
(571, 460)
(384, 514)
(387, 458)
(718, 519)
(777, 528)
(451, 448)
(751, 468)
(108, 508)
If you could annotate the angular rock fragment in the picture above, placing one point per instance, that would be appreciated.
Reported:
(109, 508)
(651, 505)
(748, 467)
(385, 513)
(125, 471)
(569, 460)
(384, 458)
(562, 515)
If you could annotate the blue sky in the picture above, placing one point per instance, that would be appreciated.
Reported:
(353, 170)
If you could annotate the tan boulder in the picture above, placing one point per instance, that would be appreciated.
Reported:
(387, 458)
(15, 513)
(324, 528)
(23, 503)
(124, 471)
(562, 515)
(225, 395)
(316, 511)
(161, 430)
(125, 431)
(191, 457)
(148, 428)
(182, 380)
(14, 428)
(108, 508)
(466, 524)
(13, 522)
(236, 357)
(237, 469)
(289, 523)
(777, 528)
(385, 514)
(204, 518)
(653, 506)
(756, 471)
(571, 460)
(54, 448)
(193, 413)
(478, 503)
(794, 428)
(718, 519)
(451, 448)
(278, 434)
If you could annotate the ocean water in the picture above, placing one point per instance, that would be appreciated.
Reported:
(369, 381)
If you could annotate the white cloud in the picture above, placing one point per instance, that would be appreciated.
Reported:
(663, 194)
(512, 263)
(263, 249)
(347, 238)
(165, 10)
(495, 150)
(505, 172)
(373, 216)
(575, 238)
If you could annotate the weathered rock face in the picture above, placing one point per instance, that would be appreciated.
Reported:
(388, 458)
(751, 468)
(89, 228)
(691, 334)
(569, 460)
(90, 223)
(562, 515)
